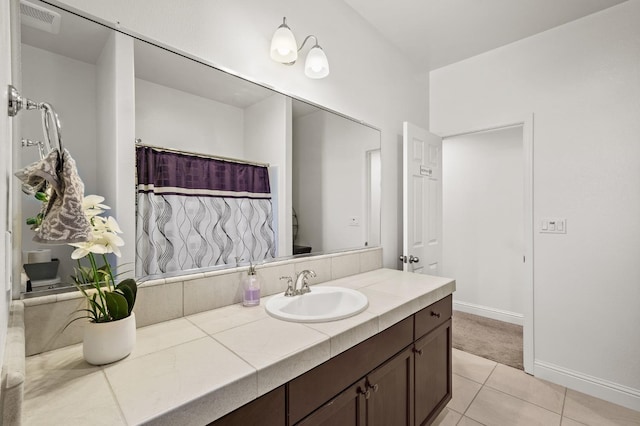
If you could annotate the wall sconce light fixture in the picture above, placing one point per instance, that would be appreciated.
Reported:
(284, 49)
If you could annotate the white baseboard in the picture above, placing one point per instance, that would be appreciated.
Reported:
(603, 389)
(487, 312)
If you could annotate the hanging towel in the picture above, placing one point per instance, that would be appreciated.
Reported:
(64, 220)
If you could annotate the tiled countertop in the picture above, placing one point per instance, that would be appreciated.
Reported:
(195, 369)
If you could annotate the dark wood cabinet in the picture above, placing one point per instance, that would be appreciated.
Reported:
(347, 409)
(383, 397)
(319, 385)
(401, 376)
(267, 410)
(432, 373)
(390, 392)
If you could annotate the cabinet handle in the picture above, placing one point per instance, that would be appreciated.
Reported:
(374, 387)
(435, 314)
(417, 351)
(366, 393)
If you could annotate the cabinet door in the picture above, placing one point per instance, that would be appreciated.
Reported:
(390, 397)
(346, 409)
(432, 373)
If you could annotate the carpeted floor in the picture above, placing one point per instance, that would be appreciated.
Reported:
(492, 339)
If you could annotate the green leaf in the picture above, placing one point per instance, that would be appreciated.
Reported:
(129, 289)
(116, 305)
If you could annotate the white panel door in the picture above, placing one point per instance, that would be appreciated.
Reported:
(422, 201)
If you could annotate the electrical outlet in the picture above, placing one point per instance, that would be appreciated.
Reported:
(354, 221)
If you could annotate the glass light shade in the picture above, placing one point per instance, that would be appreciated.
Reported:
(316, 64)
(283, 45)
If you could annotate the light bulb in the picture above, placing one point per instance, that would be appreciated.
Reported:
(316, 64)
(283, 45)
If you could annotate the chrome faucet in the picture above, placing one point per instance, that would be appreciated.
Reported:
(302, 283)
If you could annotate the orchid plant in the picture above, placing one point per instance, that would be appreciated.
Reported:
(107, 301)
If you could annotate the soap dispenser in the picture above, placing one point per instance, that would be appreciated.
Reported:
(251, 288)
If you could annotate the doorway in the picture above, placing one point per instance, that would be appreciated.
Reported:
(487, 225)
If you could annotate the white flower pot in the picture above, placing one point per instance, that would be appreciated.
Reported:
(109, 341)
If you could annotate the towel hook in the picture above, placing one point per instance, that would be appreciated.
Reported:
(17, 102)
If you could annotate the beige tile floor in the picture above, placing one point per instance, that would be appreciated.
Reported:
(492, 394)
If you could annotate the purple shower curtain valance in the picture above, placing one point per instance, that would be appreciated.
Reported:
(190, 175)
(195, 212)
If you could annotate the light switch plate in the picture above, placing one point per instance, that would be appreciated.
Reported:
(553, 226)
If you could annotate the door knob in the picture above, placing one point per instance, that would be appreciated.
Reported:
(403, 259)
(413, 259)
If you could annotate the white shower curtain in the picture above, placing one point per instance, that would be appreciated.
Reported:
(194, 212)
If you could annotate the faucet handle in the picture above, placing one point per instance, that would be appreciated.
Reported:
(289, 291)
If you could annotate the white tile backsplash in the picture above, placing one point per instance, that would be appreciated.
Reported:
(170, 298)
(45, 325)
(370, 260)
(322, 268)
(212, 292)
(345, 265)
(158, 303)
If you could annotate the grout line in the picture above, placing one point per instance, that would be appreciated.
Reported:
(525, 401)
(564, 402)
(489, 375)
(471, 403)
(113, 394)
(474, 397)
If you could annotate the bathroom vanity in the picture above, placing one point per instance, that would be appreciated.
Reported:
(390, 364)
(401, 376)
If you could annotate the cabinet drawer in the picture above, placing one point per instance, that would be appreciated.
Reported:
(432, 316)
(312, 389)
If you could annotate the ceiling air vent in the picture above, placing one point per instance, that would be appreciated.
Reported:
(39, 17)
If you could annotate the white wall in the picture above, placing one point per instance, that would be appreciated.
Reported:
(380, 92)
(308, 136)
(6, 152)
(70, 86)
(176, 119)
(483, 233)
(345, 166)
(116, 140)
(266, 125)
(330, 152)
(582, 82)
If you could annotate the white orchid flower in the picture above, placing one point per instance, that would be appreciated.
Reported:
(113, 226)
(104, 238)
(81, 251)
(92, 205)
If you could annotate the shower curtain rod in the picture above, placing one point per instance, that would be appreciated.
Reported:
(199, 154)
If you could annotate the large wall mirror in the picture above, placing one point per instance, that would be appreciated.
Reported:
(323, 167)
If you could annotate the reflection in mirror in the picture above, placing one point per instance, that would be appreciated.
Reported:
(336, 181)
(324, 168)
(60, 69)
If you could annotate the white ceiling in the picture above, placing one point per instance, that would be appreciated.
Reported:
(435, 33)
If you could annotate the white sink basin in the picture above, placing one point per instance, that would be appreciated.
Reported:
(320, 305)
